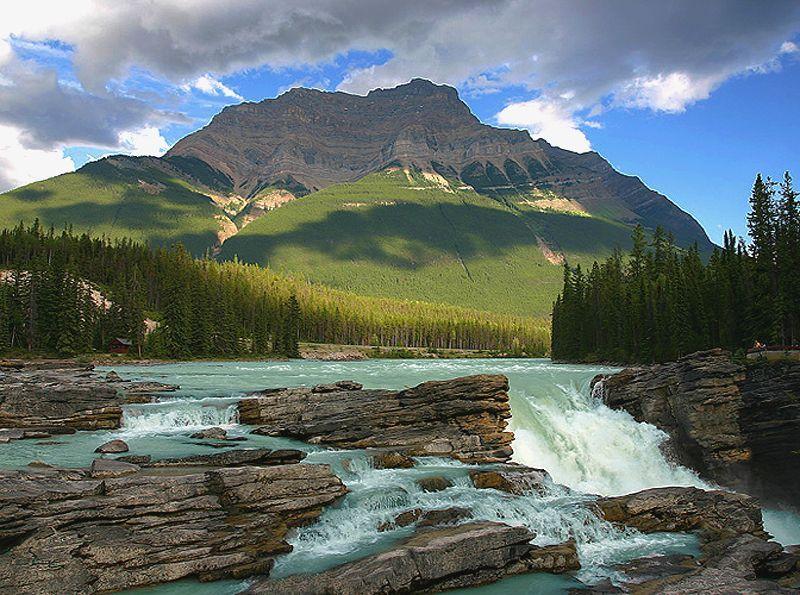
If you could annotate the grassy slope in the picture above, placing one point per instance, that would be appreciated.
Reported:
(388, 236)
(107, 200)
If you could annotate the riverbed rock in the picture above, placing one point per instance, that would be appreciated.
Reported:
(69, 398)
(149, 387)
(435, 483)
(336, 386)
(432, 560)
(66, 533)
(464, 418)
(427, 518)
(233, 458)
(715, 514)
(513, 479)
(112, 376)
(392, 460)
(737, 424)
(113, 447)
(102, 468)
(214, 433)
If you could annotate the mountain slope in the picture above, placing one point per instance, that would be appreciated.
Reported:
(140, 198)
(407, 235)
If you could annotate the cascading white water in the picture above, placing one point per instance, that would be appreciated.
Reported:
(585, 445)
(178, 415)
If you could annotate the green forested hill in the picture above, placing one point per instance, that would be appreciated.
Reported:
(136, 198)
(415, 236)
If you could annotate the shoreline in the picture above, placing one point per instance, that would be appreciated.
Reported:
(308, 351)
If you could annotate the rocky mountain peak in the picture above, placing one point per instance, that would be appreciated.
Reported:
(306, 139)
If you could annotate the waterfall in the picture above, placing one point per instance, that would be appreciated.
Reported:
(585, 445)
(178, 415)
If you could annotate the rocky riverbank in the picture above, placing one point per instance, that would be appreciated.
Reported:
(464, 418)
(737, 424)
(38, 399)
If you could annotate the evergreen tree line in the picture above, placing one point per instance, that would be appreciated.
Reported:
(67, 293)
(661, 302)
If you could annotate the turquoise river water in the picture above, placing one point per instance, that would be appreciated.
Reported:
(558, 426)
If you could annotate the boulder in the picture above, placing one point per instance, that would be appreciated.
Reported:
(113, 447)
(392, 460)
(112, 376)
(464, 418)
(514, 479)
(434, 560)
(65, 532)
(211, 433)
(737, 424)
(435, 483)
(715, 514)
(427, 518)
(102, 468)
(57, 400)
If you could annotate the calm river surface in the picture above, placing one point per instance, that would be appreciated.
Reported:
(558, 426)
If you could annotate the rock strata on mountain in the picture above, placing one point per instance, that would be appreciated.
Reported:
(306, 140)
(464, 418)
(69, 532)
(435, 560)
(736, 423)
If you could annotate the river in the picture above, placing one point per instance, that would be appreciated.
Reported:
(558, 426)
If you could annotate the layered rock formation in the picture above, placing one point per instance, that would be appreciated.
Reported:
(435, 560)
(736, 558)
(66, 532)
(713, 514)
(464, 418)
(305, 140)
(738, 424)
(59, 397)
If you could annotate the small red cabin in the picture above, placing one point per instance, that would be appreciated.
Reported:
(118, 345)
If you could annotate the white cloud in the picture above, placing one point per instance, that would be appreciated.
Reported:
(789, 47)
(210, 86)
(671, 92)
(143, 141)
(20, 165)
(548, 120)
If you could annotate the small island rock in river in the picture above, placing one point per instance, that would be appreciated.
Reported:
(464, 418)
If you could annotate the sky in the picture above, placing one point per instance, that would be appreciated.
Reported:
(693, 97)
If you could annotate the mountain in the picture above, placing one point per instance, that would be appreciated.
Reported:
(402, 192)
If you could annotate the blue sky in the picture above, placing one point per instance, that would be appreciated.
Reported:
(694, 99)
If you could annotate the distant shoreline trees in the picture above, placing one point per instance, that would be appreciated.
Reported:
(661, 302)
(52, 286)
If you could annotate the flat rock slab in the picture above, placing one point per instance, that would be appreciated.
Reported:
(69, 398)
(65, 532)
(464, 418)
(715, 514)
(435, 559)
(233, 458)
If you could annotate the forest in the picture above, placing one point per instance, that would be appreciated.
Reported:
(63, 293)
(660, 302)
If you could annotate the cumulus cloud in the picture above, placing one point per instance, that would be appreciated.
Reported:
(210, 86)
(546, 119)
(143, 141)
(588, 57)
(20, 165)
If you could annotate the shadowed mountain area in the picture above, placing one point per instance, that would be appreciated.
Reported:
(402, 192)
